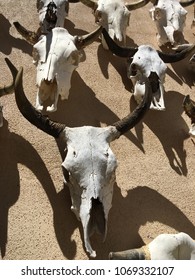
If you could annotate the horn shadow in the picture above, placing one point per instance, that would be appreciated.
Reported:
(14, 150)
(8, 42)
(168, 126)
(140, 206)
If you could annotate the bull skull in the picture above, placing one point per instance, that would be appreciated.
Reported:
(189, 108)
(56, 56)
(169, 17)
(178, 246)
(141, 62)
(114, 16)
(51, 14)
(90, 163)
(4, 91)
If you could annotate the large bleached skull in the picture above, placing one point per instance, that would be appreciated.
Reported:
(178, 246)
(169, 17)
(56, 55)
(52, 13)
(145, 61)
(89, 166)
(114, 16)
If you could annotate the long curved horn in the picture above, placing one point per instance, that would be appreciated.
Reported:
(189, 108)
(171, 58)
(27, 110)
(30, 36)
(85, 40)
(137, 5)
(186, 3)
(90, 3)
(7, 89)
(133, 118)
(133, 254)
(117, 50)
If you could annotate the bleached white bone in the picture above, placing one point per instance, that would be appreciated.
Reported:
(114, 16)
(145, 61)
(169, 17)
(56, 55)
(89, 165)
(178, 246)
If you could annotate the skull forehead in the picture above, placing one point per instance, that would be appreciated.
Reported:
(113, 9)
(89, 151)
(58, 41)
(147, 59)
(170, 7)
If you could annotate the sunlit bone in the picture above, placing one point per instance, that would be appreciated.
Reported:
(178, 246)
(189, 108)
(114, 16)
(143, 60)
(169, 17)
(89, 166)
(56, 55)
(52, 13)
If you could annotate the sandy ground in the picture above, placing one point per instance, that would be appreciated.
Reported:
(154, 191)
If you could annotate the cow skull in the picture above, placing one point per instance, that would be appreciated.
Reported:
(4, 91)
(56, 56)
(114, 16)
(189, 108)
(169, 17)
(89, 166)
(141, 62)
(178, 246)
(51, 14)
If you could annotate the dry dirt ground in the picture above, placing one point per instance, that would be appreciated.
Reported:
(155, 180)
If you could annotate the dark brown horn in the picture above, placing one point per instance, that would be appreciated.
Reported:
(189, 108)
(30, 36)
(137, 5)
(90, 3)
(186, 3)
(133, 118)
(132, 254)
(117, 50)
(85, 40)
(171, 58)
(27, 110)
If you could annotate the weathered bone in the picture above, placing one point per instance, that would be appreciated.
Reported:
(51, 14)
(189, 108)
(169, 17)
(56, 56)
(90, 163)
(114, 16)
(178, 246)
(142, 61)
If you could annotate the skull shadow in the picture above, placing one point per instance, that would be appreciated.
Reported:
(141, 204)
(171, 130)
(15, 149)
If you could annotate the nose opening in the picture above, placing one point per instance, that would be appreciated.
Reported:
(97, 222)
